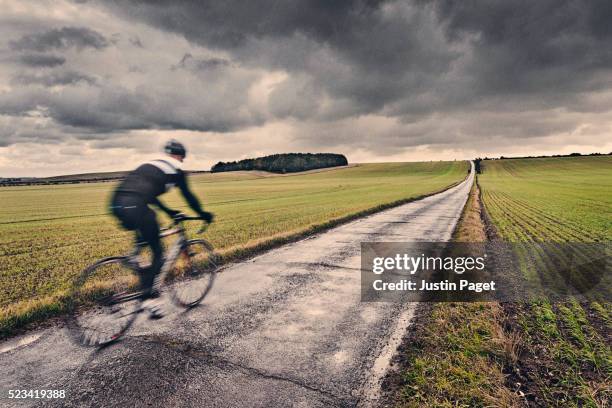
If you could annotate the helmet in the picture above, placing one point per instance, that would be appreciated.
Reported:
(175, 147)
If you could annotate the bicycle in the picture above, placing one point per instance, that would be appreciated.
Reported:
(107, 296)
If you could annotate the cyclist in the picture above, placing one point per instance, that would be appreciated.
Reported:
(140, 189)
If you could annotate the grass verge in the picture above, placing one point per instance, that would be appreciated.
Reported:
(457, 354)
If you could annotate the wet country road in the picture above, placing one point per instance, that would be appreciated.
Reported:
(285, 328)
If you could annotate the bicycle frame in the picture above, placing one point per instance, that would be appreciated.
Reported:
(171, 254)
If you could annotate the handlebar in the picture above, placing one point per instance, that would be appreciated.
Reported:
(181, 218)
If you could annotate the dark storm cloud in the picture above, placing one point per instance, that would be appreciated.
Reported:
(375, 75)
(41, 60)
(27, 130)
(387, 55)
(230, 24)
(377, 51)
(60, 38)
(99, 109)
(533, 46)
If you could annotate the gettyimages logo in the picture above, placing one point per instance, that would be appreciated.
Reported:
(412, 264)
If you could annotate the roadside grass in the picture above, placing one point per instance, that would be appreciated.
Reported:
(567, 359)
(460, 352)
(48, 234)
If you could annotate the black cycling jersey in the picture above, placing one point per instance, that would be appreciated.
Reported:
(154, 178)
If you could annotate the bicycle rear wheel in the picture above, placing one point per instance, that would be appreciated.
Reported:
(194, 273)
(107, 302)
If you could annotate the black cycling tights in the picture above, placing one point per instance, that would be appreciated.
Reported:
(135, 215)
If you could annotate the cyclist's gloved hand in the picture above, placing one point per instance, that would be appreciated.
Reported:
(207, 216)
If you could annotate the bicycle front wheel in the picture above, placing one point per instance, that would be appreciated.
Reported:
(107, 302)
(194, 274)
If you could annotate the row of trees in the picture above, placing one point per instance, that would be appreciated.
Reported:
(284, 163)
(544, 156)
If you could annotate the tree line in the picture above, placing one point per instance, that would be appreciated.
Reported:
(284, 163)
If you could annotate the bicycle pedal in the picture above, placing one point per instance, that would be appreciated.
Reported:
(156, 315)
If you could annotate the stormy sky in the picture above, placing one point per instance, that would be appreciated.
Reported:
(100, 85)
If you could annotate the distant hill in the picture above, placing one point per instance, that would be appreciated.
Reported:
(66, 179)
(545, 157)
(111, 175)
(284, 163)
(69, 178)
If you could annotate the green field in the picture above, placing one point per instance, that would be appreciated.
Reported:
(48, 234)
(566, 199)
(566, 345)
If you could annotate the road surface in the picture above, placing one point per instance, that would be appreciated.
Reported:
(285, 328)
